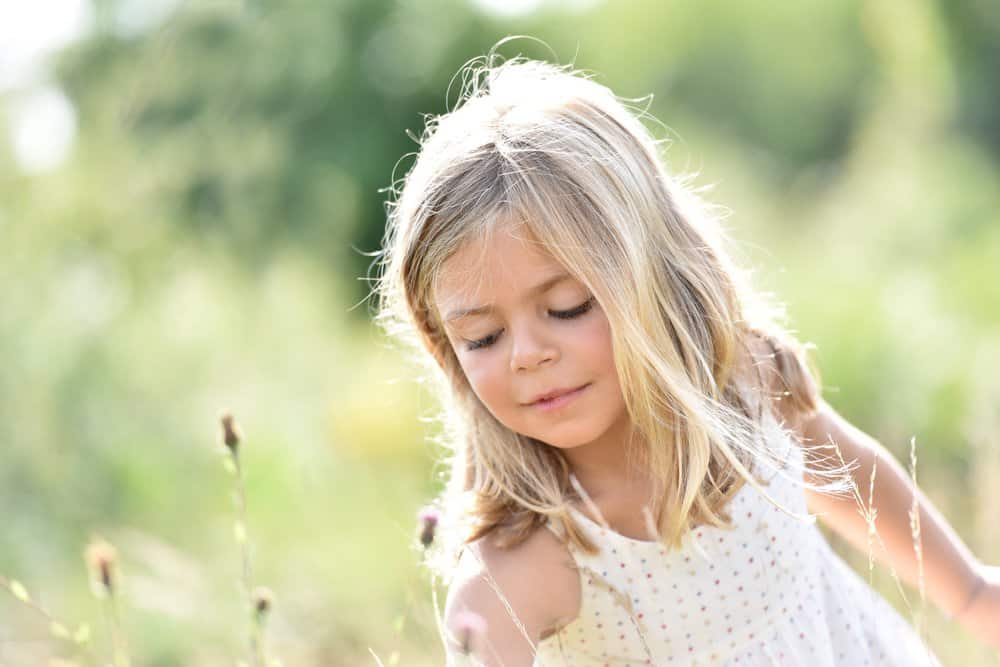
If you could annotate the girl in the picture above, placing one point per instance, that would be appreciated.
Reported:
(636, 444)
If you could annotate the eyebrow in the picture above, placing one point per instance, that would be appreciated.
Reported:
(540, 288)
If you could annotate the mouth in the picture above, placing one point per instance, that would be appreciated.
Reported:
(559, 400)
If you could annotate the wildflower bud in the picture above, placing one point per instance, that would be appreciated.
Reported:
(263, 599)
(101, 557)
(428, 524)
(468, 626)
(230, 433)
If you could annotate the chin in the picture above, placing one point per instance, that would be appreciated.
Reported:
(567, 440)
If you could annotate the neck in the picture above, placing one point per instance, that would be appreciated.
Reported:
(605, 468)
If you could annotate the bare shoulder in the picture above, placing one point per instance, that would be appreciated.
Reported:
(521, 594)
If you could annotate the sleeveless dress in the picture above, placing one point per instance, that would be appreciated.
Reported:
(769, 591)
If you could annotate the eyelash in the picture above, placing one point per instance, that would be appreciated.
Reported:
(560, 314)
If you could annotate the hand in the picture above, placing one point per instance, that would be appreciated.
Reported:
(981, 615)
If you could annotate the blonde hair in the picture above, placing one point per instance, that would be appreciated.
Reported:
(549, 147)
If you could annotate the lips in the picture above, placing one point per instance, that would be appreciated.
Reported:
(554, 393)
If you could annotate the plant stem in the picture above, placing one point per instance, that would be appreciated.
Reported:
(256, 650)
(119, 652)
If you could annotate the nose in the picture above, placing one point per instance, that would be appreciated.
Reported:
(530, 349)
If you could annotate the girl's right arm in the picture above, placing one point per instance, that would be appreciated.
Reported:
(502, 601)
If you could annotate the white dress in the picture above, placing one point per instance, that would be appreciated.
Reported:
(769, 591)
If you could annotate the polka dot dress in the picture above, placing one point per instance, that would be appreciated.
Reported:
(769, 591)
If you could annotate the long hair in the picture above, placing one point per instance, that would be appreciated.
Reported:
(550, 147)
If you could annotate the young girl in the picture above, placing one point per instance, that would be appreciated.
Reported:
(637, 446)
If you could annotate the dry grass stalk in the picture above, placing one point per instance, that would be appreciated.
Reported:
(428, 520)
(918, 549)
(79, 638)
(869, 514)
(507, 606)
(102, 560)
(231, 438)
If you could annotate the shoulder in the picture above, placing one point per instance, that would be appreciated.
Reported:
(518, 594)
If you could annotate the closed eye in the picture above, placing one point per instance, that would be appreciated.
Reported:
(559, 314)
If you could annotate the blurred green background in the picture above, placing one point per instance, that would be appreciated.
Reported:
(189, 196)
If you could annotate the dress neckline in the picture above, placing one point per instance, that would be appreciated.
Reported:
(698, 530)
(607, 529)
(770, 425)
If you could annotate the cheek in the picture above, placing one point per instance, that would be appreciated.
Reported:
(484, 375)
(592, 343)
(478, 373)
(493, 392)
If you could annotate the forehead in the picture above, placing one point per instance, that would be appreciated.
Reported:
(509, 259)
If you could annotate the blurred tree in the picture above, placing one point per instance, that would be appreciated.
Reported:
(256, 126)
(263, 124)
(974, 39)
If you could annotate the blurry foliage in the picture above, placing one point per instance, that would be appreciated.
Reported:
(271, 124)
(204, 249)
(972, 29)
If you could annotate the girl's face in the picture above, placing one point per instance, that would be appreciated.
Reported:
(521, 328)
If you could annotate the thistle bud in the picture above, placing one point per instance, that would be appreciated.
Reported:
(263, 599)
(101, 557)
(428, 520)
(230, 433)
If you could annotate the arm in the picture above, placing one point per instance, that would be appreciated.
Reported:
(951, 572)
(954, 579)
